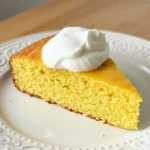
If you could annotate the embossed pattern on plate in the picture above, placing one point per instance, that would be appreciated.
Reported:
(126, 51)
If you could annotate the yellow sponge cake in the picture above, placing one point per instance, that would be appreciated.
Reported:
(103, 94)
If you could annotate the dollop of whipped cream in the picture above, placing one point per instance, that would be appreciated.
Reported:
(76, 49)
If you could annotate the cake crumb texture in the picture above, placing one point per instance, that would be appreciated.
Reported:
(103, 94)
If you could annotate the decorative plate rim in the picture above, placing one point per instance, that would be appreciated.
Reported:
(12, 140)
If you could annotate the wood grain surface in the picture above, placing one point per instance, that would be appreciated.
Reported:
(126, 16)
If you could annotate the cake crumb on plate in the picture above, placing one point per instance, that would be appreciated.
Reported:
(102, 135)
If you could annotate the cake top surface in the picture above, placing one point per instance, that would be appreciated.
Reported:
(108, 72)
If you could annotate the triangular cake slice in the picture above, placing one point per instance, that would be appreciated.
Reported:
(104, 94)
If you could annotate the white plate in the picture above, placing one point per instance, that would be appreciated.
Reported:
(28, 123)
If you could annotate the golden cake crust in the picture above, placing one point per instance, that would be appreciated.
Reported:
(33, 51)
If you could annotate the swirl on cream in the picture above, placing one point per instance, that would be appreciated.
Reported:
(76, 49)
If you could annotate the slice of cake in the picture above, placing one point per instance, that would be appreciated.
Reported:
(103, 94)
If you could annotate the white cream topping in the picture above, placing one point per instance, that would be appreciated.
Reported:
(76, 49)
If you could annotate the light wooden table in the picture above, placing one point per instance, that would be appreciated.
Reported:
(127, 16)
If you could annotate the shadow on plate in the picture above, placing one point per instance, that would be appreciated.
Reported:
(144, 114)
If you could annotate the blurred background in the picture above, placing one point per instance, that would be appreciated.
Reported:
(22, 17)
(9, 8)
